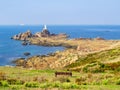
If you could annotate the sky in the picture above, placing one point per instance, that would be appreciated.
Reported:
(53, 12)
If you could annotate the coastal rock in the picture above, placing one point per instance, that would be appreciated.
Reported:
(24, 43)
(26, 53)
(99, 38)
(44, 33)
(23, 36)
(19, 62)
(62, 35)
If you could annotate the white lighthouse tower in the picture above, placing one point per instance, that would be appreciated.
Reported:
(45, 27)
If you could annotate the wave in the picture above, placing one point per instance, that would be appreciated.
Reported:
(13, 58)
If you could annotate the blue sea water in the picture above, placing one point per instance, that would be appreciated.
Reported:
(12, 49)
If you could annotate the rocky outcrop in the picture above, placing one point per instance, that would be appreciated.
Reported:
(26, 53)
(24, 43)
(99, 38)
(44, 33)
(19, 62)
(23, 36)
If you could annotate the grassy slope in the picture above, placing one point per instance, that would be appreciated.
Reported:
(104, 58)
(46, 79)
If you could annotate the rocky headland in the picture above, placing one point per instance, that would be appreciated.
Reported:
(75, 49)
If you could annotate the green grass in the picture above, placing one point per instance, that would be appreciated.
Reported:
(34, 79)
(96, 58)
(100, 87)
(82, 87)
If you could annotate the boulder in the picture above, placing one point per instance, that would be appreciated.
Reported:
(24, 43)
(22, 36)
(26, 53)
(99, 38)
(19, 62)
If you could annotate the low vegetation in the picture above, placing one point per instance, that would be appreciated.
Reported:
(94, 63)
(98, 62)
(22, 79)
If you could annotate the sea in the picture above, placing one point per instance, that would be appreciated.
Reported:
(12, 49)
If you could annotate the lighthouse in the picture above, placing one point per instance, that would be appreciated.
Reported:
(45, 27)
(45, 32)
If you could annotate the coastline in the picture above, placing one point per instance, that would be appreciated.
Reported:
(92, 61)
(74, 47)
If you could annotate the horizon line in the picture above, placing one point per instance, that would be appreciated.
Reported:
(59, 24)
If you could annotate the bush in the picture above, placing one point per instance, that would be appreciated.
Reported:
(66, 85)
(12, 81)
(56, 84)
(32, 84)
(62, 79)
(45, 85)
(15, 88)
(40, 79)
(74, 86)
(15, 82)
(4, 83)
(2, 76)
(69, 86)
(20, 82)
(80, 81)
(105, 82)
(118, 82)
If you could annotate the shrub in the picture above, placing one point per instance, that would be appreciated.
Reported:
(74, 86)
(15, 88)
(85, 69)
(80, 81)
(105, 82)
(62, 79)
(4, 83)
(118, 69)
(118, 82)
(89, 75)
(12, 81)
(2, 76)
(66, 85)
(40, 79)
(45, 85)
(20, 82)
(56, 84)
(32, 84)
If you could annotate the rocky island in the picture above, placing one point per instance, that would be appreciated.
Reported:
(43, 38)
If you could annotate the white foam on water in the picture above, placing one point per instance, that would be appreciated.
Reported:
(13, 58)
